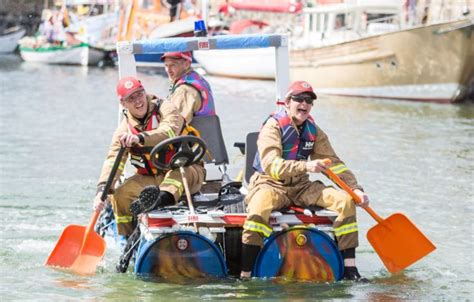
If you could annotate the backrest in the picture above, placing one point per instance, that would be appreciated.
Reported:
(210, 129)
(250, 151)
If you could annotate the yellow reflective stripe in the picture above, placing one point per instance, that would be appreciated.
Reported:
(173, 182)
(257, 227)
(338, 169)
(124, 219)
(346, 229)
(111, 162)
(169, 132)
(275, 168)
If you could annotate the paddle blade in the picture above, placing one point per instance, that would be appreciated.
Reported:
(90, 255)
(68, 253)
(398, 242)
(68, 247)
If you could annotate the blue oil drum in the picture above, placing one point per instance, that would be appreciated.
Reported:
(180, 254)
(300, 253)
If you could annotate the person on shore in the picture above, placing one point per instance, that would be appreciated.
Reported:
(147, 121)
(189, 91)
(289, 146)
(175, 9)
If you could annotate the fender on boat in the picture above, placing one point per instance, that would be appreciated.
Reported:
(180, 254)
(300, 253)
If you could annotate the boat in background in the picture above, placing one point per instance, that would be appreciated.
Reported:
(71, 33)
(9, 38)
(274, 16)
(427, 63)
(368, 48)
(256, 63)
(81, 54)
(376, 51)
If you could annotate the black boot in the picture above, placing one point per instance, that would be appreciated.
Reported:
(352, 274)
(130, 247)
(249, 255)
(147, 200)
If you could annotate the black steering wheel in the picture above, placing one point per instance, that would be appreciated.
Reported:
(188, 151)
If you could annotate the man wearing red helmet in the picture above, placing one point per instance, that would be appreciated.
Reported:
(290, 146)
(189, 91)
(147, 121)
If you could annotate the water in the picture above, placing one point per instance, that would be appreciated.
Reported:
(56, 124)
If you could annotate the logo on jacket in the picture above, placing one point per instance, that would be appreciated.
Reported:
(308, 145)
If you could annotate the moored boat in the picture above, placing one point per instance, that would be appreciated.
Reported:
(9, 39)
(81, 54)
(369, 49)
(258, 63)
(427, 63)
(245, 64)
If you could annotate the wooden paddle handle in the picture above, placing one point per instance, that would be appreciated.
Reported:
(346, 188)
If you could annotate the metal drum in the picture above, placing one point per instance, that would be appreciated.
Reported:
(300, 253)
(180, 254)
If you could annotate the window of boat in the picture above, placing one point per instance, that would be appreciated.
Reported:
(344, 21)
(380, 18)
(340, 22)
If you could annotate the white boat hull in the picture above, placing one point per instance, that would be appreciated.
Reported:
(9, 42)
(432, 63)
(77, 55)
(246, 63)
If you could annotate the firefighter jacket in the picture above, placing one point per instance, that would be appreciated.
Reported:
(192, 95)
(167, 123)
(275, 163)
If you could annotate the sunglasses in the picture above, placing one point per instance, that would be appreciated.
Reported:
(300, 99)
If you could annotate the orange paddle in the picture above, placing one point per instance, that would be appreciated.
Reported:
(397, 241)
(80, 249)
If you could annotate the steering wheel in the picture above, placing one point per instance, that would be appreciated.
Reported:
(188, 151)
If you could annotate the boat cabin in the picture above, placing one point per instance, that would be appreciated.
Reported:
(335, 23)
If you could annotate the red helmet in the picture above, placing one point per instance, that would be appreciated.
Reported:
(299, 87)
(128, 85)
(178, 55)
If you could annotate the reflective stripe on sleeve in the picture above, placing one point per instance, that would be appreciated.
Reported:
(111, 161)
(275, 168)
(339, 168)
(346, 229)
(169, 132)
(175, 183)
(258, 227)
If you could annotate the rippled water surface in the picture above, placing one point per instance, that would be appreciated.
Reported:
(56, 124)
